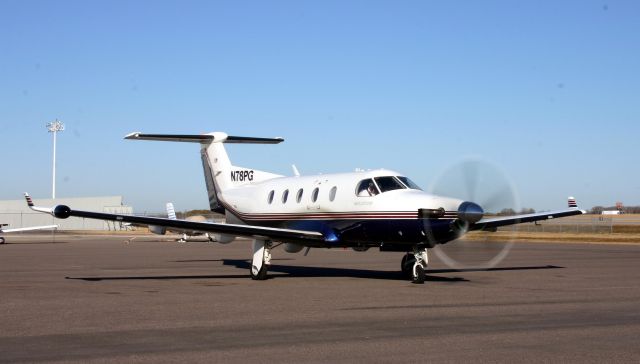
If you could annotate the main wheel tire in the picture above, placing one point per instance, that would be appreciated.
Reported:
(1, 240)
(406, 266)
(262, 273)
(419, 275)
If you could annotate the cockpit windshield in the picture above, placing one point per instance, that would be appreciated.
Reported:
(388, 184)
(409, 183)
(367, 187)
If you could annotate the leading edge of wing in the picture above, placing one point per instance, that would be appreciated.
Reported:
(518, 219)
(284, 235)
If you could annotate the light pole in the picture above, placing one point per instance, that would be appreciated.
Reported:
(54, 127)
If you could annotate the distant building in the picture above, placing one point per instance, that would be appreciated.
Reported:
(614, 212)
(16, 213)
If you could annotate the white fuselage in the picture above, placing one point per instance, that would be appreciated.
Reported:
(337, 195)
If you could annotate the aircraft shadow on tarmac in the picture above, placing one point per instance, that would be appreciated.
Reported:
(288, 271)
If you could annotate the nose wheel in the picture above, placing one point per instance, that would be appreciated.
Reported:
(406, 266)
(414, 265)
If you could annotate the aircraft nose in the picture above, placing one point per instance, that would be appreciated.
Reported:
(470, 212)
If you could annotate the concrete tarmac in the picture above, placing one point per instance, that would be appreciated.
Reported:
(101, 299)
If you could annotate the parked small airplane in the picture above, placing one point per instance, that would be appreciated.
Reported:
(31, 228)
(364, 209)
(171, 214)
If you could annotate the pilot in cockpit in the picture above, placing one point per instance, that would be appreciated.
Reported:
(372, 189)
(367, 189)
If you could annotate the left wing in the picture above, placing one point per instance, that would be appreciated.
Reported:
(302, 237)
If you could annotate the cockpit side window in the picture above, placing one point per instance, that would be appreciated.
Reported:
(366, 188)
(409, 183)
(388, 184)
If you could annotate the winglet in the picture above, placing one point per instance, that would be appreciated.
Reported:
(34, 207)
(572, 203)
(29, 200)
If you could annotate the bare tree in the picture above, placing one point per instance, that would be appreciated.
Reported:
(507, 212)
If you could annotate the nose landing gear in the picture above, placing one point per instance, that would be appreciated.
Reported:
(414, 265)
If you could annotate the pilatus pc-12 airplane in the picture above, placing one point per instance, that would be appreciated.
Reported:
(360, 210)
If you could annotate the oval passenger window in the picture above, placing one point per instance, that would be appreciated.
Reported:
(332, 193)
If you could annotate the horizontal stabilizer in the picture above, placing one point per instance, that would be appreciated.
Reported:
(216, 137)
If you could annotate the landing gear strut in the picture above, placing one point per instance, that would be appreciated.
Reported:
(261, 259)
(414, 265)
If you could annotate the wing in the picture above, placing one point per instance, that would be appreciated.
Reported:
(307, 238)
(28, 228)
(492, 223)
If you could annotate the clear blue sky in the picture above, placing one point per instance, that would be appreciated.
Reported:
(547, 90)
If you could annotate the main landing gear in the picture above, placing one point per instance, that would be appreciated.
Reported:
(414, 265)
(261, 259)
(1, 240)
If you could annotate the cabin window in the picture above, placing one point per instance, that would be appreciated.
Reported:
(388, 184)
(285, 195)
(270, 197)
(314, 194)
(332, 193)
(366, 188)
(409, 183)
(299, 196)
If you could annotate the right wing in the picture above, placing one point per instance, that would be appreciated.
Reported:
(302, 237)
(495, 222)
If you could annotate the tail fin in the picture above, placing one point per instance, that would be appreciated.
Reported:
(572, 203)
(171, 212)
(219, 173)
